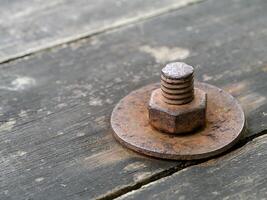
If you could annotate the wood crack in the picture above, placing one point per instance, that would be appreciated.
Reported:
(171, 171)
(118, 25)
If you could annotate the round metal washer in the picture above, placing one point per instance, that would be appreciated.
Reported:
(225, 124)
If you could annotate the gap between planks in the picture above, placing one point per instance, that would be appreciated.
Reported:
(171, 171)
(117, 25)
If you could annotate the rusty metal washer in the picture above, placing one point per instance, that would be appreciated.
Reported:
(225, 124)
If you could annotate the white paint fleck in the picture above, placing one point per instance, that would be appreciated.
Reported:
(95, 102)
(80, 134)
(218, 43)
(189, 28)
(136, 79)
(61, 105)
(21, 153)
(79, 94)
(7, 141)
(141, 175)
(94, 41)
(63, 185)
(60, 133)
(182, 197)
(29, 10)
(117, 80)
(109, 101)
(40, 179)
(21, 83)
(7, 126)
(101, 121)
(23, 113)
(48, 112)
(264, 114)
(206, 77)
(134, 166)
(163, 54)
(40, 110)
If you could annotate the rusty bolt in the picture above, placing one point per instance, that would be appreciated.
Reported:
(177, 107)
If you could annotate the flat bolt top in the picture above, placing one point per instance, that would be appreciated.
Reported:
(177, 70)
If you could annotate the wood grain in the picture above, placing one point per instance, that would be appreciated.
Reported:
(239, 175)
(55, 137)
(27, 26)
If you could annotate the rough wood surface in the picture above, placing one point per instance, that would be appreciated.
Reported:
(55, 137)
(240, 175)
(30, 25)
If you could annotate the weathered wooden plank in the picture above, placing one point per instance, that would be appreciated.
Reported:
(27, 26)
(240, 175)
(55, 140)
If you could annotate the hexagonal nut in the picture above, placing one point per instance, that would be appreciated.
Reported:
(177, 119)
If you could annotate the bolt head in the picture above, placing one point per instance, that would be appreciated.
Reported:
(177, 70)
(177, 119)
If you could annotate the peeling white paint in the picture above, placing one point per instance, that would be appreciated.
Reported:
(61, 105)
(20, 83)
(60, 133)
(23, 114)
(141, 175)
(206, 77)
(80, 134)
(134, 166)
(136, 79)
(163, 54)
(95, 102)
(40, 179)
(109, 101)
(189, 28)
(48, 112)
(21, 153)
(7, 126)
(79, 94)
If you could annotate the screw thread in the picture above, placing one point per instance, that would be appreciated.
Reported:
(177, 90)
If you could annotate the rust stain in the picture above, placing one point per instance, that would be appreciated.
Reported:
(237, 88)
(105, 157)
(252, 101)
(177, 107)
(264, 69)
(111, 154)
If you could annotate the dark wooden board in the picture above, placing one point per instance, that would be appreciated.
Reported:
(239, 175)
(55, 139)
(27, 26)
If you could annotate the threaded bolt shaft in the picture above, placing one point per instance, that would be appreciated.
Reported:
(177, 83)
